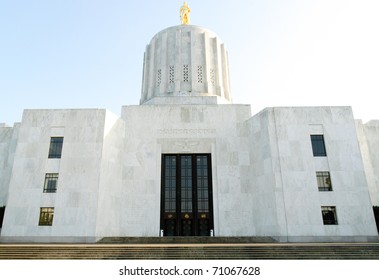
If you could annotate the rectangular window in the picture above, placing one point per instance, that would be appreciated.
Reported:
(56, 144)
(51, 183)
(46, 216)
(329, 215)
(318, 145)
(324, 182)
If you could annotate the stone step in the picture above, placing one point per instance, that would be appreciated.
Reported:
(185, 240)
(193, 251)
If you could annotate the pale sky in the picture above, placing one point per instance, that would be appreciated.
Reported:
(89, 53)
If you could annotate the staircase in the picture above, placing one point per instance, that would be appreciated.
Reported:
(164, 248)
(186, 240)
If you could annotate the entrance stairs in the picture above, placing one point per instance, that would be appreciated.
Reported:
(191, 248)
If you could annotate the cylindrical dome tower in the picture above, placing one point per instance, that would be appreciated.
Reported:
(185, 61)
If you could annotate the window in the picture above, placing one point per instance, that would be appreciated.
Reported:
(46, 216)
(324, 182)
(2, 211)
(172, 75)
(212, 76)
(56, 144)
(159, 78)
(51, 182)
(185, 73)
(318, 145)
(329, 215)
(200, 74)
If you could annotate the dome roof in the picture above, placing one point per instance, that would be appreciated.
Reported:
(185, 61)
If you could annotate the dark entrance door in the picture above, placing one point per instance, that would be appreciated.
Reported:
(186, 208)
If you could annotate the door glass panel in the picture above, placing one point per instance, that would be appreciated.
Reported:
(170, 184)
(186, 183)
(202, 184)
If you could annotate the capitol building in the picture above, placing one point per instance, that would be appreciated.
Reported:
(188, 161)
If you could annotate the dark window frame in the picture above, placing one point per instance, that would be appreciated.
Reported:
(46, 216)
(318, 145)
(324, 181)
(329, 215)
(56, 145)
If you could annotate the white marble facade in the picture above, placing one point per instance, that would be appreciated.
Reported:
(263, 169)
(368, 136)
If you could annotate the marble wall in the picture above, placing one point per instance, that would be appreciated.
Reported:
(263, 171)
(76, 199)
(368, 135)
(8, 142)
(160, 129)
(294, 173)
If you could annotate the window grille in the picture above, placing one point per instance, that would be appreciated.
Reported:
(159, 77)
(212, 77)
(185, 73)
(172, 75)
(200, 74)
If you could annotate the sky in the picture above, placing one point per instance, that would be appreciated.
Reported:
(57, 54)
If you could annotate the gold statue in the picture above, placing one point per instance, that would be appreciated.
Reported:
(185, 13)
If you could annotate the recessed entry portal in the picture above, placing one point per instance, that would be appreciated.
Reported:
(186, 206)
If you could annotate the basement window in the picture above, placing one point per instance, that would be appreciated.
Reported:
(46, 216)
(329, 215)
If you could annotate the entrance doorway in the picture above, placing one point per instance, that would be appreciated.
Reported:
(186, 206)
